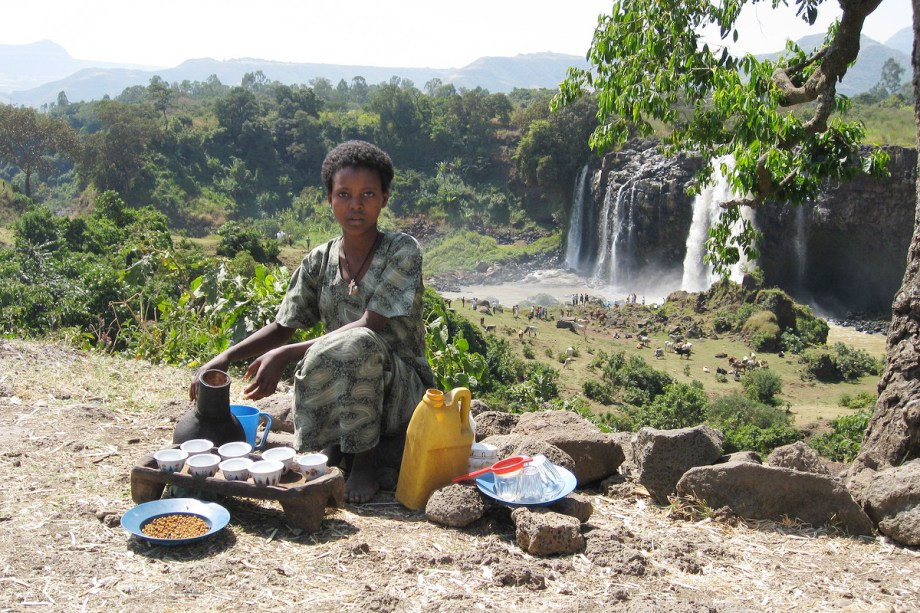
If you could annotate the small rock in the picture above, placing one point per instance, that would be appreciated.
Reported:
(797, 456)
(542, 532)
(455, 506)
(574, 505)
(491, 423)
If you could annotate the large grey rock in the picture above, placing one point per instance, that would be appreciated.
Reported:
(755, 491)
(797, 456)
(490, 423)
(596, 454)
(893, 502)
(455, 505)
(517, 444)
(663, 456)
(542, 532)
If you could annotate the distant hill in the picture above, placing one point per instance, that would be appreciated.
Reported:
(903, 41)
(43, 70)
(28, 66)
(34, 74)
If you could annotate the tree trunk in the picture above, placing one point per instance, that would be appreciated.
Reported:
(893, 436)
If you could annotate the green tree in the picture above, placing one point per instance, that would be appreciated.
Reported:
(30, 140)
(890, 80)
(648, 63)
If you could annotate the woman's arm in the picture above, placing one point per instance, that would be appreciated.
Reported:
(265, 372)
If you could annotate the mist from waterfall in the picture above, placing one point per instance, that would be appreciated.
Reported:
(575, 238)
(698, 275)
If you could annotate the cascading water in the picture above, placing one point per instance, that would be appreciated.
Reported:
(698, 275)
(615, 217)
(801, 246)
(575, 240)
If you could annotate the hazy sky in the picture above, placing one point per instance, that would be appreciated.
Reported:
(400, 33)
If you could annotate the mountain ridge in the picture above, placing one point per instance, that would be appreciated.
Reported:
(34, 74)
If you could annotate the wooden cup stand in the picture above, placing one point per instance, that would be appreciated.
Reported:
(304, 502)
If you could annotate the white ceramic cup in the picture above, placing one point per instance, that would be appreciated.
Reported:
(312, 465)
(197, 446)
(266, 472)
(170, 460)
(236, 449)
(203, 464)
(285, 455)
(236, 469)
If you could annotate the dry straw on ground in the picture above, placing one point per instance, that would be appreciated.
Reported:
(75, 422)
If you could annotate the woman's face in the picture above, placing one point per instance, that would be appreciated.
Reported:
(357, 197)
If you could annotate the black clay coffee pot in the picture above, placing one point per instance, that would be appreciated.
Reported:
(211, 418)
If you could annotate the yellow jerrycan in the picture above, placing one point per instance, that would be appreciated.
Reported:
(438, 443)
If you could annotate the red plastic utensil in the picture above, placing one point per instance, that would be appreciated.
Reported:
(502, 466)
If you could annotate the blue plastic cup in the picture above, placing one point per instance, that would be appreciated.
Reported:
(249, 418)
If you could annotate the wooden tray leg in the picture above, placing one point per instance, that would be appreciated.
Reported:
(143, 490)
(306, 509)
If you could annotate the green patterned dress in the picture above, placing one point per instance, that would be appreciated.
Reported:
(353, 387)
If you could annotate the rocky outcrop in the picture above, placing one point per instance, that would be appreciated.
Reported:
(755, 491)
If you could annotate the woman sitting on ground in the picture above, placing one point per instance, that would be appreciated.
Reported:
(363, 378)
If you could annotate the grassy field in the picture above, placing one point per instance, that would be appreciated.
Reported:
(808, 400)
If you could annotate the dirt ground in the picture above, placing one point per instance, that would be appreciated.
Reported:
(74, 423)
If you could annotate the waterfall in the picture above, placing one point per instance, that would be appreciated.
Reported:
(575, 239)
(698, 275)
(801, 246)
(614, 219)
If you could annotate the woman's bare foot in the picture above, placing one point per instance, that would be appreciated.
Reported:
(362, 481)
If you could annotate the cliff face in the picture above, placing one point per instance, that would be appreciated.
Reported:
(848, 250)
(844, 253)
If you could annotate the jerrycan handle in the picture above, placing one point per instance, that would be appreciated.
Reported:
(465, 398)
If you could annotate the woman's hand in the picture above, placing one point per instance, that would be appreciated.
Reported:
(217, 363)
(265, 373)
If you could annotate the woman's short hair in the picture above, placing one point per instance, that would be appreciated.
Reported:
(358, 154)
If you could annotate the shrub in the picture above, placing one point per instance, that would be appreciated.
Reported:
(680, 406)
(598, 392)
(750, 425)
(840, 363)
(235, 237)
(640, 382)
(762, 331)
(762, 385)
(843, 443)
